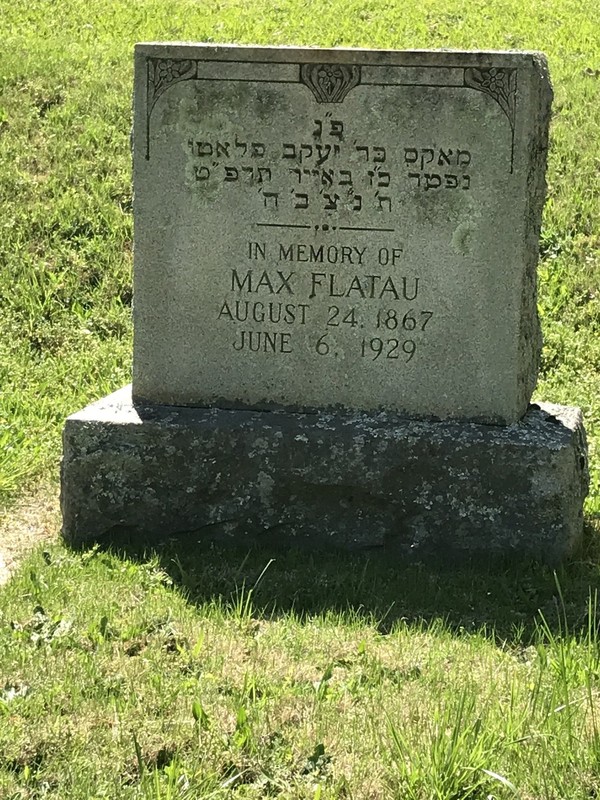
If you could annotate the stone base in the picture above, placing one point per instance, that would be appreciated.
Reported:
(420, 489)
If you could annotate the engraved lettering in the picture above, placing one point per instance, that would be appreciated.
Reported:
(264, 174)
(386, 256)
(257, 251)
(389, 286)
(316, 282)
(432, 181)
(323, 151)
(264, 283)
(271, 196)
(327, 177)
(337, 129)
(240, 286)
(426, 157)
(332, 254)
(222, 149)
(355, 286)
(240, 145)
(204, 149)
(332, 201)
(263, 342)
(376, 287)
(258, 311)
(415, 292)
(202, 173)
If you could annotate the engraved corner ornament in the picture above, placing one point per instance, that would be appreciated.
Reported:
(499, 84)
(330, 83)
(162, 74)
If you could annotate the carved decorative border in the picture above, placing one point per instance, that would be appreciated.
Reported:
(331, 83)
(500, 84)
(164, 73)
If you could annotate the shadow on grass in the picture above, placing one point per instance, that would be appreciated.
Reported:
(505, 599)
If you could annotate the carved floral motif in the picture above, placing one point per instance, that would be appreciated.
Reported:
(163, 73)
(500, 84)
(330, 83)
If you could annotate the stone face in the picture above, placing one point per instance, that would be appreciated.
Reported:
(420, 489)
(338, 229)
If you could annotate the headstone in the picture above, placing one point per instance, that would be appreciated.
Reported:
(335, 271)
(338, 229)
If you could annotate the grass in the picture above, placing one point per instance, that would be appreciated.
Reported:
(208, 673)
(181, 674)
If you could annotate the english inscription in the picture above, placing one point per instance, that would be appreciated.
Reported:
(390, 326)
(326, 229)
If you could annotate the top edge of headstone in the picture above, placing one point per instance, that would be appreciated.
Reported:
(271, 52)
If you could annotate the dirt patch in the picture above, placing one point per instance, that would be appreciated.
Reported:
(34, 518)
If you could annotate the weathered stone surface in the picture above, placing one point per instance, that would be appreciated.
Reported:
(418, 488)
(367, 221)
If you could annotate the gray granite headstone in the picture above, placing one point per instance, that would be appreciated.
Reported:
(329, 243)
(341, 229)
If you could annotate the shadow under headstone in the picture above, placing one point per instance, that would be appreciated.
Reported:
(507, 599)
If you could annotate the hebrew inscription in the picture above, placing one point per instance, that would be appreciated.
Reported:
(324, 229)
(330, 83)
(334, 169)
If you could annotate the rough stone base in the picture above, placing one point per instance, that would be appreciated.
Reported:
(420, 489)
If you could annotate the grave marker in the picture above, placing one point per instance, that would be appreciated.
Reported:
(338, 229)
(348, 233)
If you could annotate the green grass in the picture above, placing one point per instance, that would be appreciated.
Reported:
(177, 675)
(201, 674)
